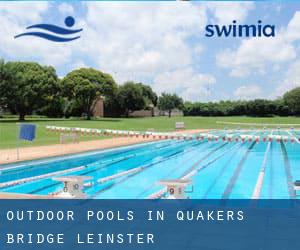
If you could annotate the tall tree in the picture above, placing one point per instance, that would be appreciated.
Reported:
(26, 86)
(292, 100)
(168, 102)
(149, 94)
(130, 97)
(3, 83)
(85, 84)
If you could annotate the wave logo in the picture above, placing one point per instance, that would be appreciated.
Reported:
(59, 34)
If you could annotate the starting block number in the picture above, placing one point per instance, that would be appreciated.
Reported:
(74, 187)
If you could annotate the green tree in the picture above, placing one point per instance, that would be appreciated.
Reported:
(131, 98)
(149, 95)
(292, 100)
(3, 83)
(26, 86)
(281, 107)
(167, 102)
(84, 85)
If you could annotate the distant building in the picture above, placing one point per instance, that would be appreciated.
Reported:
(98, 110)
(148, 112)
(98, 107)
(142, 113)
(175, 112)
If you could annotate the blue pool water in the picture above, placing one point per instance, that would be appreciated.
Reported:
(221, 169)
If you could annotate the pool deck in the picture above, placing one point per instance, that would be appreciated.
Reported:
(31, 153)
(24, 196)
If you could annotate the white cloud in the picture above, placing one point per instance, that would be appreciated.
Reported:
(73, 66)
(291, 80)
(292, 75)
(65, 8)
(226, 12)
(141, 38)
(198, 49)
(151, 43)
(255, 54)
(79, 64)
(247, 92)
(23, 11)
(188, 84)
(14, 18)
(131, 41)
(293, 28)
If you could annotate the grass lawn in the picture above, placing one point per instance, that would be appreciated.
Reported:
(9, 127)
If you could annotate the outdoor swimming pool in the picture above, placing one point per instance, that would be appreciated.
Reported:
(218, 169)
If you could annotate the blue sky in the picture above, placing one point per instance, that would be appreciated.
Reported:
(163, 44)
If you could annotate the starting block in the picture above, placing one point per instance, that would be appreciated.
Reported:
(176, 188)
(296, 187)
(73, 186)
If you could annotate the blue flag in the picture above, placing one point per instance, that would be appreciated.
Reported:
(27, 132)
